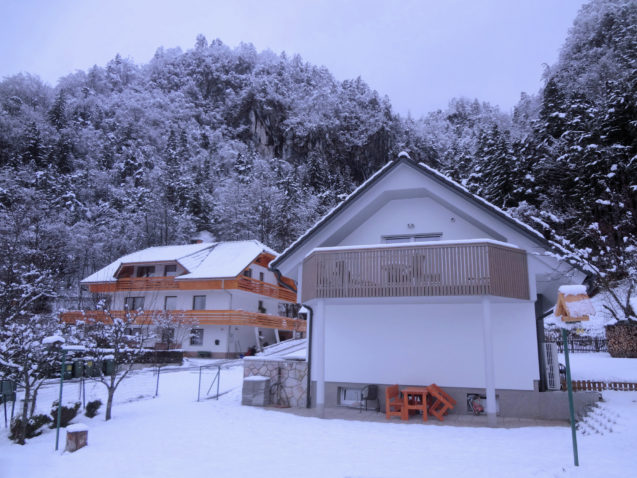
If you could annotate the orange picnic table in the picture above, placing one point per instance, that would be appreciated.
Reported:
(414, 398)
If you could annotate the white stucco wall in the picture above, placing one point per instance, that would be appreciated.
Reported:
(425, 214)
(419, 344)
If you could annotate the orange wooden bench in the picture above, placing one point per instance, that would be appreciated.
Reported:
(442, 402)
(393, 402)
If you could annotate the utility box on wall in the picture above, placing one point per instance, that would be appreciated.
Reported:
(256, 391)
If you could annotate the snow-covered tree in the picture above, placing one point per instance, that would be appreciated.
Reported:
(116, 337)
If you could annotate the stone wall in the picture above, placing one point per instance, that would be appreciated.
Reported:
(293, 373)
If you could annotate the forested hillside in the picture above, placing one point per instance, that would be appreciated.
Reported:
(249, 144)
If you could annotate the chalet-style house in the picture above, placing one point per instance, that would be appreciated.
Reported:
(220, 298)
(413, 280)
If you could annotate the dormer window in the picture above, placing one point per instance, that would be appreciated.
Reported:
(170, 270)
(145, 271)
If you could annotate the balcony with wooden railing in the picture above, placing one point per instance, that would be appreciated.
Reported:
(247, 284)
(194, 317)
(417, 270)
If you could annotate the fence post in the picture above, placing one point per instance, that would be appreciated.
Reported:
(199, 387)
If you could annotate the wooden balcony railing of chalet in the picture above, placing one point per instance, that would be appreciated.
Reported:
(169, 283)
(417, 270)
(199, 317)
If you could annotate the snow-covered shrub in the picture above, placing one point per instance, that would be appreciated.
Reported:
(68, 414)
(33, 426)
(92, 407)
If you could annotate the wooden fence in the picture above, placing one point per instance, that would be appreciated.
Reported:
(597, 386)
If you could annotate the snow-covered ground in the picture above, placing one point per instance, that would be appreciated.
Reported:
(173, 435)
(601, 366)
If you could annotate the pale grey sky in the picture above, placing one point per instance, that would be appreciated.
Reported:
(419, 53)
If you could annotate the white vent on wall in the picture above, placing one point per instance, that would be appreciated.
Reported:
(552, 366)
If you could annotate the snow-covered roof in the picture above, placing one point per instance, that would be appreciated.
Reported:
(429, 171)
(572, 289)
(227, 259)
(201, 261)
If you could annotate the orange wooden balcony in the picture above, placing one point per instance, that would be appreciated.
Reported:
(169, 283)
(200, 317)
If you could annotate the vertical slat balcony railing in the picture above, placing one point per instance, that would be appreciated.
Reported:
(475, 268)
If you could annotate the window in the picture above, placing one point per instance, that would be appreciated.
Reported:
(170, 270)
(196, 337)
(261, 308)
(167, 335)
(199, 302)
(349, 396)
(288, 310)
(247, 273)
(261, 276)
(145, 271)
(400, 238)
(134, 303)
(170, 302)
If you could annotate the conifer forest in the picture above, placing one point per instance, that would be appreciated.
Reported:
(257, 145)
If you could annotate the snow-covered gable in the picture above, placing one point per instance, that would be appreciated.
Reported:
(435, 177)
(228, 259)
(202, 261)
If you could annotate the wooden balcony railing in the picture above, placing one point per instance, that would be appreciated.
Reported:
(200, 317)
(169, 283)
(474, 268)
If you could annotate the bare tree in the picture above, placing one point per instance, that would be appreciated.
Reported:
(118, 337)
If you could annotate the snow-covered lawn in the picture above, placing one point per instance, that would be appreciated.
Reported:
(601, 366)
(173, 435)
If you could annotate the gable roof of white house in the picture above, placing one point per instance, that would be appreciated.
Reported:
(429, 172)
(201, 261)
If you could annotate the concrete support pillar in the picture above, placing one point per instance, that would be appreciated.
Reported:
(318, 350)
(276, 336)
(257, 338)
(489, 373)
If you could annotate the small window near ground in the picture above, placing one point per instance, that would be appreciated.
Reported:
(170, 302)
(145, 271)
(170, 270)
(199, 302)
(349, 396)
(217, 341)
(196, 337)
(134, 303)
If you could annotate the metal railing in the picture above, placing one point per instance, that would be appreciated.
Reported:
(417, 270)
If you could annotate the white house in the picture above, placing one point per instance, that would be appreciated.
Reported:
(413, 280)
(215, 299)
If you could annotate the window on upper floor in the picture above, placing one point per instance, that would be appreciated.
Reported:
(199, 302)
(134, 303)
(145, 271)
(247, 273)
(422, 237)
(260, 308)
(170, 302)
(262, 276)
(170, 270)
